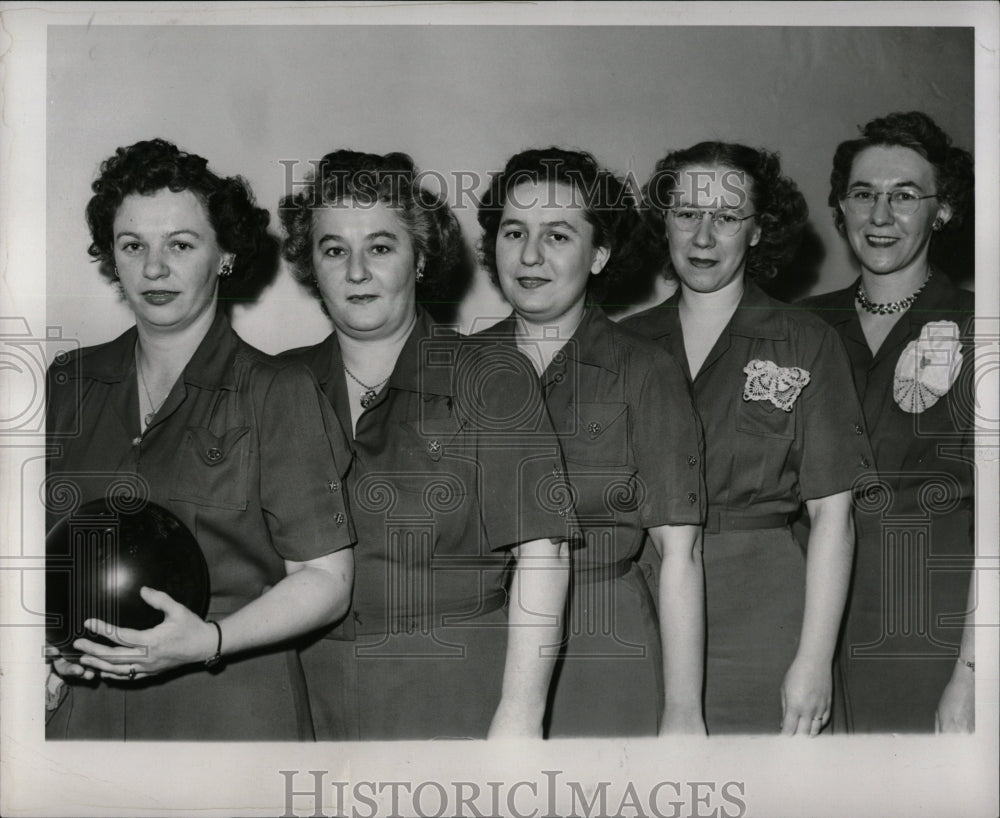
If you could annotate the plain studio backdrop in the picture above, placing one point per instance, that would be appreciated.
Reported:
(262, 101)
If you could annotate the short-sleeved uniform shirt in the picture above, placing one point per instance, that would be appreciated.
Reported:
(915, 528)
(761, 459)
(910, 446)
(629, 433)
(454, 462)
(772, 440)
(634, 451)
(244, 451)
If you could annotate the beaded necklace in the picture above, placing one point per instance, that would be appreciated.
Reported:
(889, 307)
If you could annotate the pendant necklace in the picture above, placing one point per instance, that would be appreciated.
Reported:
(371, 392)
(889, 307)
(148, 417)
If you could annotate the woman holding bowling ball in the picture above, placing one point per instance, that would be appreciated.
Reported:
(179, 411)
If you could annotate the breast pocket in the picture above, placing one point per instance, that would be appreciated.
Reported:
(426, 477)
(212, 470)
(764, 419)
(597, 434)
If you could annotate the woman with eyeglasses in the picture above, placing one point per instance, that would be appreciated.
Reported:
(907, 330)
(782, 426)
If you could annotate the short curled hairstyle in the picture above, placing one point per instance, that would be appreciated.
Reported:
(780, 209)
(393, 179)
(150, 166)
(609, 207)
(953, 167)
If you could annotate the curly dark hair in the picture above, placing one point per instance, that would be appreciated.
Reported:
(609, 207)
(150, 166)
(780, 209)
(394, 180)
(953, 167)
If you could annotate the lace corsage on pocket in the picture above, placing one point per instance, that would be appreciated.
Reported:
(928, 367)
(781, 385)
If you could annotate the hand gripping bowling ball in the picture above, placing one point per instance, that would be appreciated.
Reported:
(98, 557)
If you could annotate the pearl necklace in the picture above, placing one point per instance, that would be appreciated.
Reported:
(889, 307)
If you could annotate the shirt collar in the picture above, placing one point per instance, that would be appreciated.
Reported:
(210, 366)
(591, 343)
(326, 360)
(938, 294)
(757, 315)
(426, 361)
(838, 306)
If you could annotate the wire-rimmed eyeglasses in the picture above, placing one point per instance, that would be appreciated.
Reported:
(902, 202)
(689, 219)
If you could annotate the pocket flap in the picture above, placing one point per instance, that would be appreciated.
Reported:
(595, 419)
(213, 449)
(432, 435)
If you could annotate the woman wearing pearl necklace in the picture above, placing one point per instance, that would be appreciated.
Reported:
(907, 664)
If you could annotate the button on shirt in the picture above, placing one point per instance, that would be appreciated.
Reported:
(911, 448)
(243, 451)
(630, 437)
(760, 459)
(455, 461)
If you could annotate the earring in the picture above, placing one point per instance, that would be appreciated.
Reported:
(938, 224)
(226, 269)
(420, 273)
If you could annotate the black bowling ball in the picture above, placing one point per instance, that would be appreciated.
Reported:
(97, 559)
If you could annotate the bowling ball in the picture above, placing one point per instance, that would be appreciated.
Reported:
(98, 557)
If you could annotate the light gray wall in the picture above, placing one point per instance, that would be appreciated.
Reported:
(463, 99)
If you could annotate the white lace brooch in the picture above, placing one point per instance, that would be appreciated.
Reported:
(781, 385)
(928, 367)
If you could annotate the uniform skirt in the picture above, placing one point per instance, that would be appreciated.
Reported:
(251, 698)
(608, 679)
(904, 620)
(755, 596)
(439, 682)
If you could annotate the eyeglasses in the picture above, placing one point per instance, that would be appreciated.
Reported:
(689, 219)
(901, 202)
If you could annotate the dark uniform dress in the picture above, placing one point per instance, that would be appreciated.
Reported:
(454, 463)
(243, 451)
(915, 526)
(633, 450)
(762, 462)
